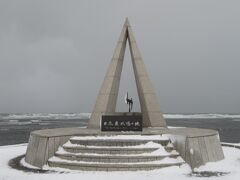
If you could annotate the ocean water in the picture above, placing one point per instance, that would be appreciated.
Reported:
(15, 128)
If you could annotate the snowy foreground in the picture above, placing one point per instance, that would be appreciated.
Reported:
(230, 167)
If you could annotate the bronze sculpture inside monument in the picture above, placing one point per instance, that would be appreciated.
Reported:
(129, 102)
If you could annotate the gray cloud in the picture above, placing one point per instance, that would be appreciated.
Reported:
(54, 54)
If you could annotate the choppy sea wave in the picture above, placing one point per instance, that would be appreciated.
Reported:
(12, 117)
(202, 116)
(42, 116)
(15, 128)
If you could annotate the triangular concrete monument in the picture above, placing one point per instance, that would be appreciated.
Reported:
(107, 97)
(44, 144)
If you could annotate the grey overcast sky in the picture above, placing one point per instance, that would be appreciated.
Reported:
(54, 54)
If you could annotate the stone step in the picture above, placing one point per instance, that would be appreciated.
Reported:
(74, 165)
(116, 142)
(113, 158)
(116, 153)
(108, 150)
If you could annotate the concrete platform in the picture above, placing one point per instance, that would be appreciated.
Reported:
(196, 146)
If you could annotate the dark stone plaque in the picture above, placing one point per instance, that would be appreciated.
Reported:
(121, 123)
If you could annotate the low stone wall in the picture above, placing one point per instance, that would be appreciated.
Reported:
(40, 149)
(44, 143)
(198, 150)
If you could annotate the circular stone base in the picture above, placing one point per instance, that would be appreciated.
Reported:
(196, 146)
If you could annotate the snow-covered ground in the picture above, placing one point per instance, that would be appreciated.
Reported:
(230, 165)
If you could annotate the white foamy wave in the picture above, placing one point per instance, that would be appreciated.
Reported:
(201, 116)
(42, 116)
(23, 123)
(35, 117)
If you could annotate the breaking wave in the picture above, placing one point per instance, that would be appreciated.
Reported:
(43, 116)
(35, 117)
(202, 116)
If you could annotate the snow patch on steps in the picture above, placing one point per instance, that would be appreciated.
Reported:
(159, 152)
(123, 137)
(166, 160)
(141, 146)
